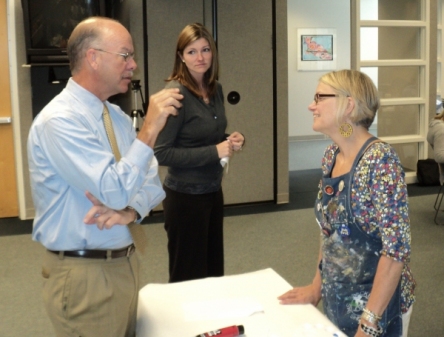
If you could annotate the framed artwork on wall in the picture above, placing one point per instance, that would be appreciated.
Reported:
(316, 49)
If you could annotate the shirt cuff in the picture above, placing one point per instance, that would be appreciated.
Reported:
(140, 155)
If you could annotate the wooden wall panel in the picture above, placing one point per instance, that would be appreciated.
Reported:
(8, 182)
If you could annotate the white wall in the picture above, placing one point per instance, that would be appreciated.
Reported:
(303, 141)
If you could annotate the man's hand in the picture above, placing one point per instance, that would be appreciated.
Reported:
(161, 105)
(105, 217)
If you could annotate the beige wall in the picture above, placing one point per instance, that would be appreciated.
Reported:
(22, 107)
(21, 93)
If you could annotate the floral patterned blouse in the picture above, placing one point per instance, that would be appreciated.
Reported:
(379, 203)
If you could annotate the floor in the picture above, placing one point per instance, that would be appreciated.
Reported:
(302, 190)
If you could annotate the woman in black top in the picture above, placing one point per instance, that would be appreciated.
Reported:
(192, 145)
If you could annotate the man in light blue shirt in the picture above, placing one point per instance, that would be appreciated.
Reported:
(83, 197)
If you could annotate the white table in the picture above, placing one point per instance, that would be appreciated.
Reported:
(186, 309)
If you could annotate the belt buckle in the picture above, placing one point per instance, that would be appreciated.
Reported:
(130, 250)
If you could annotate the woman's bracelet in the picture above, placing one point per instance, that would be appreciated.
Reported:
(370, 331)
(370, 316)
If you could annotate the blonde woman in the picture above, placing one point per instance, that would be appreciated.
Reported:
(363, 277)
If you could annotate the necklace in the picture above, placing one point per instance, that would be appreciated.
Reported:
(204, 93)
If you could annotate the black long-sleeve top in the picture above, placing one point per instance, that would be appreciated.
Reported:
(187, 144)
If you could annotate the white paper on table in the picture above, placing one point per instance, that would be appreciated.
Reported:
(162, 307)
(220, 309)
(317, 330)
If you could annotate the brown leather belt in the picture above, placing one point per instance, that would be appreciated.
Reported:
(97, 254)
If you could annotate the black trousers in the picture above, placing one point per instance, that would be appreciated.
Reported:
(194, 225)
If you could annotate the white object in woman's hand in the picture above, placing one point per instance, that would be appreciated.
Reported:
(224, 161)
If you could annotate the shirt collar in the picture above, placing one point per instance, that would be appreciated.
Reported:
(86, 98)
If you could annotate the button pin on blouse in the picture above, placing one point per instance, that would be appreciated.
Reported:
(329, 190)
(344, 231)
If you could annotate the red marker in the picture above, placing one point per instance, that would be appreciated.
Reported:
(231, 331)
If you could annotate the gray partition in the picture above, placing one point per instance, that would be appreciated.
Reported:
(244, 38)
(165, 21)
(245, 44)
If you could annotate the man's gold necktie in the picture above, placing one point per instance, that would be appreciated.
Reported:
(139, 236)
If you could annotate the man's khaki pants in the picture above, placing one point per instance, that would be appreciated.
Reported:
(91, 297)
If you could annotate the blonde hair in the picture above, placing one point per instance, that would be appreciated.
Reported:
(359, 87)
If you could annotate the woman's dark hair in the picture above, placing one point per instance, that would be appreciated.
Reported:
(181, 73)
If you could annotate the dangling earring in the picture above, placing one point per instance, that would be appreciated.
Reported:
(346, 130)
